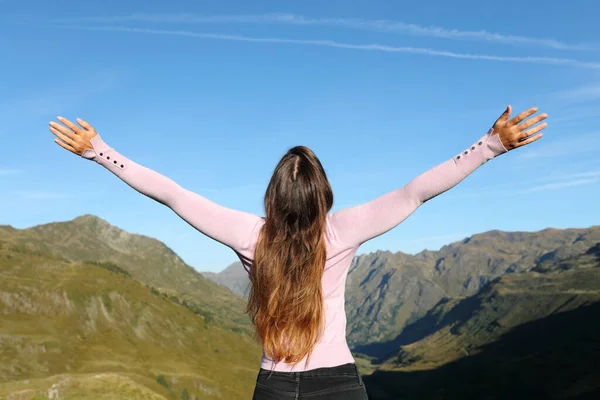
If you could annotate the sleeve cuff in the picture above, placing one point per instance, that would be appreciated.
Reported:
(495, 144)
(488, 146)
(104, 154)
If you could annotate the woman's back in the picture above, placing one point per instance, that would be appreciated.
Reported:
(332, 349)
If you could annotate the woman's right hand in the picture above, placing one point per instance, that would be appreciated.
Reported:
(514, 132)
(71, 137)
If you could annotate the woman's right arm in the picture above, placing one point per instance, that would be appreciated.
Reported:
(354, 226)
(230, 227)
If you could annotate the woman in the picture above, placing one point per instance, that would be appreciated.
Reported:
(298, 257)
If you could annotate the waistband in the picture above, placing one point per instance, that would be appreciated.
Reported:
(349, 369)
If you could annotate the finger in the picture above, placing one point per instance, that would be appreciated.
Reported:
(531, 139)
(525, 134)
(85, 124)
(520, 117)
(532, 121)
(66, 146)
(71, 125)
(63, 129)
(62, 137)
(506, 114)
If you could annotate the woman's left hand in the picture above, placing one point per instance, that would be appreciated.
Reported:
(72, 137)
(514, 133)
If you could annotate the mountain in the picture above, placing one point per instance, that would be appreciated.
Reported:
(234, 278)
(148, 260)
(74, 329)
(531, 334)
(387, 291)
(511, 300)
(89, 310)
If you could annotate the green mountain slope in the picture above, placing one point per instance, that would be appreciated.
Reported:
(62, 323)
(147, 260)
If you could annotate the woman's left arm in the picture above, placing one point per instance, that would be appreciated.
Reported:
(230, 227)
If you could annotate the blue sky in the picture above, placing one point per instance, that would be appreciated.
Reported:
(212, 94)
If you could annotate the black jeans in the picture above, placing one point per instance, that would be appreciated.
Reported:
(342, 382)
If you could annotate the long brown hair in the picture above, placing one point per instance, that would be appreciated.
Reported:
(286, 299)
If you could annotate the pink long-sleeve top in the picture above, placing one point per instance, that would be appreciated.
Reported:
(345, 231)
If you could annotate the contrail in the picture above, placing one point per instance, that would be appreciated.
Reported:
(351, 23)
(334, 44)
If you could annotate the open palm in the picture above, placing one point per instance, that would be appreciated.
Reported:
(514, 132)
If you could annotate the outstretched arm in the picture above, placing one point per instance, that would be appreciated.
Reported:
(230, 227)
(355, 225)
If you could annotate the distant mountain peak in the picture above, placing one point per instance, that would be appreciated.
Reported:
(85, 218)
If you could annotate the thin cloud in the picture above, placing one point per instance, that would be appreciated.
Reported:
(8, 171)
(582, 144)
(577, 114)
(566, 146)
(334, 44)
(55, 100)
(582, 94)
(557, 180)
(560, 185)
(239, 189)
(572, 176)
(566, 180)
(576, 104)
(441, 237)
(556, 176)
(588, 174)
(351, 23)
(41, 195)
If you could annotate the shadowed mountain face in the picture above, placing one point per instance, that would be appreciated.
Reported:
(148, 260)
(530, 334)
(556, 357)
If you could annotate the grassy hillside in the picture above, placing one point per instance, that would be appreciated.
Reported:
(91, 330)
(147, 260)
